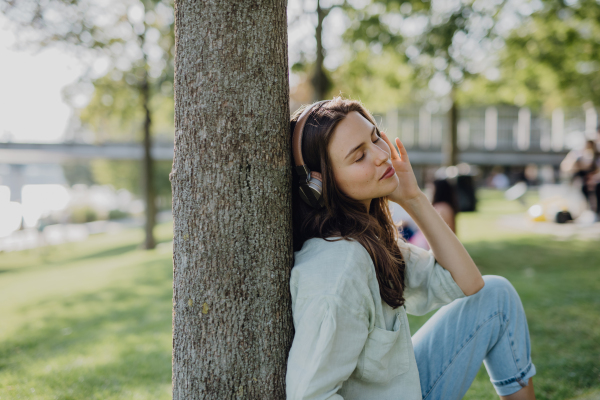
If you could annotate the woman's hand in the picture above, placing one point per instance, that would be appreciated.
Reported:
(408, 189)
(447, 249)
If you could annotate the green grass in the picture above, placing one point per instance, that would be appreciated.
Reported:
(559, 285)
(92, 320)
(87, 320)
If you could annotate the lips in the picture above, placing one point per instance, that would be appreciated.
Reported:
(388, 173)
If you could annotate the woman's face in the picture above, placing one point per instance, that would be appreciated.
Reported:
(360, 160)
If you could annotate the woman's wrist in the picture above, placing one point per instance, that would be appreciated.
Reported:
(414, 204)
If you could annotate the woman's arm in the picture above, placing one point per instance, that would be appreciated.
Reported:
(447, 249)
(447, 214)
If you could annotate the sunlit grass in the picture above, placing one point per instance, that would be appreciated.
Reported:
(89, 320)
(559, 285)
(92, 320)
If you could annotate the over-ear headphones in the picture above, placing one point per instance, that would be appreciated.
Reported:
(311, 183)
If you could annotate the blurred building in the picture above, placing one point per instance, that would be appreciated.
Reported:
(518, 140)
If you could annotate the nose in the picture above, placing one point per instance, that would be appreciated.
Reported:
(381, 155)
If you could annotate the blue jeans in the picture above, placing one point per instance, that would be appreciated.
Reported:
(489, 327)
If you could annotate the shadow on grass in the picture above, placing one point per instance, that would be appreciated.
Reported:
(97, 345)
(47, 258)
(111, 252)
(115, 251)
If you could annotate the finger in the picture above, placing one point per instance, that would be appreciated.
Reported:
(402, 149)
(394, 154)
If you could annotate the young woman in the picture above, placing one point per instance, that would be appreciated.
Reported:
(354, 280)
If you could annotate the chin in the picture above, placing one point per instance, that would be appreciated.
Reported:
(393, 185)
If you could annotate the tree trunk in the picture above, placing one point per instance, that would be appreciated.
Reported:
(149, 192)
(147, 163)
(231, 178)
(451, 143)
(320, 80)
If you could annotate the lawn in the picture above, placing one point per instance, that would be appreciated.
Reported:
(92, 320)
(559, 285)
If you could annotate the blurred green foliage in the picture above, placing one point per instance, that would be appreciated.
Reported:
(135, 39)
(125, 174)
(78, 172)
(553, 57)
(118, 214)
(115, 111)
(80, 215)
(542, 54)
(381, 81)
(433, 58)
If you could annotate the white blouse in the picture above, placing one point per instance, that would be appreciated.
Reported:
(349, 344)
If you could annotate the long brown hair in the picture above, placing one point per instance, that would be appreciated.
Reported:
(343, 216)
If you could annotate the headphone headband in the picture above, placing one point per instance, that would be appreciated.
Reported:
(297, 138)
(311, 183)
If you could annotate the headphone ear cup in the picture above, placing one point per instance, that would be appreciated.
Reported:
(312, 190)
(317, 177)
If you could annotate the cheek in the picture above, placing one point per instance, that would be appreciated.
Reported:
(354, 181)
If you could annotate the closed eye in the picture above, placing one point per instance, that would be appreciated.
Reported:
(375, 141)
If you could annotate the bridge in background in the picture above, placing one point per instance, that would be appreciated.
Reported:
(488, 135)
(58, 153)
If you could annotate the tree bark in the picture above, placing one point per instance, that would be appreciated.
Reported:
(149, 192)
(231, 178)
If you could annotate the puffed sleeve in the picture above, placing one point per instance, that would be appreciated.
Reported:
(328, 341)
(427, 285)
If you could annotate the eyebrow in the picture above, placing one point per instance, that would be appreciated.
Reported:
(360, 145)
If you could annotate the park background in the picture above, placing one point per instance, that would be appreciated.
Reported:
(85, 295)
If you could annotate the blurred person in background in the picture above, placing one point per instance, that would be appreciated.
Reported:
(591, 180)
(498, 179)
(445, 202)
(406, 225)
(584, 167)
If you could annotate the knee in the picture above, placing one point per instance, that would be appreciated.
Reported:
(498, 286)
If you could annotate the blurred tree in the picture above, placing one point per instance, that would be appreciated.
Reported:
(131, 43)
(444, 42)
(319, 76)
(232, 242)
(320, 81)
(78, 171)
(553, 57)
(380, 80)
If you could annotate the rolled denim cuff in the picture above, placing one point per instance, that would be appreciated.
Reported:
(512, 385)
